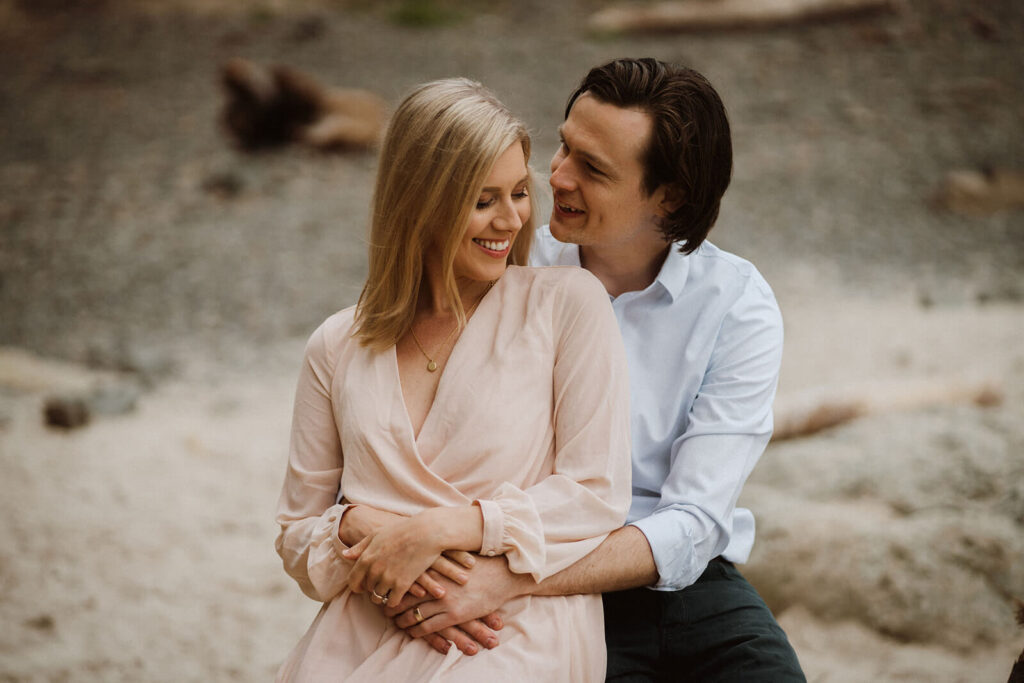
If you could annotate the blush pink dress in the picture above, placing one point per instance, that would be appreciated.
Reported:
(530, 421)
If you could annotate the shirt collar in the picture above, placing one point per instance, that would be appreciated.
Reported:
(671, 277)
(674, 271)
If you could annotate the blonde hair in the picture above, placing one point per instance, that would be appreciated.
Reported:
(440, 147)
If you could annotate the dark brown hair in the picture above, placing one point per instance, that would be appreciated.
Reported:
(690, 150)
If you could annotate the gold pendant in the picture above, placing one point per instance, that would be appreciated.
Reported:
(431, 366)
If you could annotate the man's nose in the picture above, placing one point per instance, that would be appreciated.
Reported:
(561, 174)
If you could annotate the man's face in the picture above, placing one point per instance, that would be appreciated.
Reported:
(597, 178)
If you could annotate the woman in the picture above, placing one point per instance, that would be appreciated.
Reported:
(478, 405)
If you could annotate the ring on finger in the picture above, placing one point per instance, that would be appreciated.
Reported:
(387, 594)
(382, 598)
(418, 615)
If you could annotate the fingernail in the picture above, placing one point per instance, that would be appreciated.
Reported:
(472, 560)
(463, 578)
(490, 643)
(470, 650)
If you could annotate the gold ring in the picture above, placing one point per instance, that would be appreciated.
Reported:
(416, 613)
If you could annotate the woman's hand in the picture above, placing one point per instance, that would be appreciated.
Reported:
(390, 559)
(362, 520)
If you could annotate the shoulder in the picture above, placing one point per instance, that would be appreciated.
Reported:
(731, 285)
(740, 298)
(331, 337)
(711, 265)
(556, 282)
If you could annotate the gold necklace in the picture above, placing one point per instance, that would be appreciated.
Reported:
(431, 363)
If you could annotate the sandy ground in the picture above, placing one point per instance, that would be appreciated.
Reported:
(139, 547)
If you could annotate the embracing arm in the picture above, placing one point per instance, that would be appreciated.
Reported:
(307, 512)
(623, 560)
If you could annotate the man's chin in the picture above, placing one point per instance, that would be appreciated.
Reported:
(564, 234)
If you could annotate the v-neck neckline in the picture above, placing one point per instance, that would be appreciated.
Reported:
(442, 380)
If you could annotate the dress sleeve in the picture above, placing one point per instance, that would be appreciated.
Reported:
(549, 526)
(307, 511)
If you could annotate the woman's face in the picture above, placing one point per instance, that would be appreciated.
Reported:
(500, 212)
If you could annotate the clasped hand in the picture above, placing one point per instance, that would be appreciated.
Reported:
(393, 560)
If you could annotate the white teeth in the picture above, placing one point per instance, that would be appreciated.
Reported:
(492, 245)
(567, 208)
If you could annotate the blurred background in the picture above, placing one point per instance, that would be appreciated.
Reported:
(159, 278)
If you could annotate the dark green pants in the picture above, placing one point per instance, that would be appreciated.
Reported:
(718, 629)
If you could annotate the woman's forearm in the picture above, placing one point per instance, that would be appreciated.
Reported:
(359, 521)
(455, 528)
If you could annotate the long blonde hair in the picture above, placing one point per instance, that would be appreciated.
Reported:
(439, 149)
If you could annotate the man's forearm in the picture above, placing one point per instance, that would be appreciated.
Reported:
(623, 560)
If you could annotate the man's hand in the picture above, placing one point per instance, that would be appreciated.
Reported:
(469, 609)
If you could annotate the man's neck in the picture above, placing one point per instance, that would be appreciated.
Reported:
(623, 270)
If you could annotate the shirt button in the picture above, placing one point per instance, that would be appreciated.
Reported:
(491, 553)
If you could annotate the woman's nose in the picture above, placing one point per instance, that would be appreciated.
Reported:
(508, 218)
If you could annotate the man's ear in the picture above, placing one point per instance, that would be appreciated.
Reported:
(669, 199)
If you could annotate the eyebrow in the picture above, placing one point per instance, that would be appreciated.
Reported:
(498, 189)
(605, 166)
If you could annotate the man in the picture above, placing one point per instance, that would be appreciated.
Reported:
(646, 156)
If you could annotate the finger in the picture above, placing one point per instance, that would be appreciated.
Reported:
(356, 577)
(438, 643)
(417, 591)
(466, 645)
(396, 595)
(405, 605)
(476, 630)
(493, 621)
(411, 617)
(431, 584)
(355, 551)
(377, 595)
(431, 624)
(467, 560)
(446, 567)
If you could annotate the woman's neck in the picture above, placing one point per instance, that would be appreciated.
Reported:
(434, 300)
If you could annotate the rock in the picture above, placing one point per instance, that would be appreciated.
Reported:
(227, 185)
(44, 622)
(113, 399)
(66, 412)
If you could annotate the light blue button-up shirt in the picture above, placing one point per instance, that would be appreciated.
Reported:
(704, 346)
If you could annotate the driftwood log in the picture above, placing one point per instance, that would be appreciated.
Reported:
(706, 15)
(806, 414)
(982, 192)
(273, 106)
